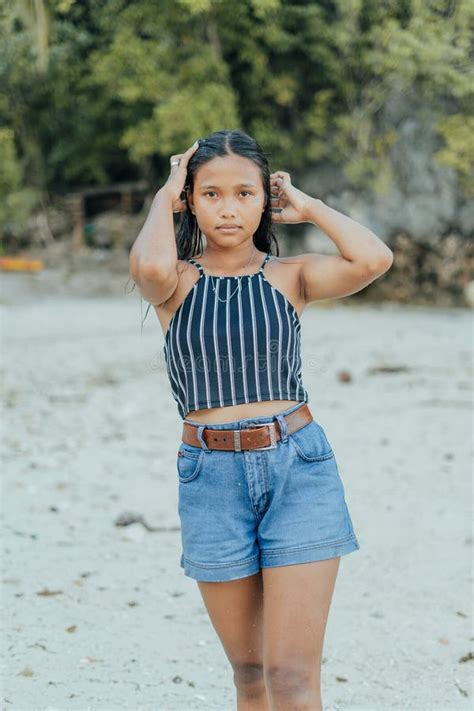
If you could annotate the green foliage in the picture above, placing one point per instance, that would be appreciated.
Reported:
(16, 201)
(99, 92)
(458, 152)
(10, 172)
(173, 124)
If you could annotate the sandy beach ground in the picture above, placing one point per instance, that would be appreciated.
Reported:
(101, 617)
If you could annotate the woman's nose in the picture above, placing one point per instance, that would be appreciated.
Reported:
(228, 209)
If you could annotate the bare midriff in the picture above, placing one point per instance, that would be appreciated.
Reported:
(220, 415)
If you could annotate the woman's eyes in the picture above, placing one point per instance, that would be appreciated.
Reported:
(213, 191)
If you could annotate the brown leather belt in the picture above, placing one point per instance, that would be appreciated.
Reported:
(264, 436)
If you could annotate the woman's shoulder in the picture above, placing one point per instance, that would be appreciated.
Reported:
(284, 274)
(188, 275)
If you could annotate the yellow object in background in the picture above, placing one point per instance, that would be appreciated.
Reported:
(18, 264)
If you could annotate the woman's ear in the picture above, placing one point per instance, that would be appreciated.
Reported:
(189, 196)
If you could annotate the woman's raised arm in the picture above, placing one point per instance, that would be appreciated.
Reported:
(153, 257)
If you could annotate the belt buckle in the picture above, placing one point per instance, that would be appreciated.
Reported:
(273, 440)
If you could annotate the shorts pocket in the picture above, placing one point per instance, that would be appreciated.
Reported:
(189, 461)
(311, 444)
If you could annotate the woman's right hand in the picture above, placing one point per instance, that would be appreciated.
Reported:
(175, 184)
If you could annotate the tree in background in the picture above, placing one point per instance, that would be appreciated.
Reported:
(101, 92)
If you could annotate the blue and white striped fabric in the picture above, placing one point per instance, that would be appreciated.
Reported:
(239, 348)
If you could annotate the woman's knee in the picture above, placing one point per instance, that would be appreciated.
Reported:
(249, 678)
(297, 686)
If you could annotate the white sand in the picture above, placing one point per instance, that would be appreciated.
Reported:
(86, 398)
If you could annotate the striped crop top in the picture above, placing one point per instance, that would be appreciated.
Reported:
(233, 340)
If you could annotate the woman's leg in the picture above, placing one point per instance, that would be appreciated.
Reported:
(297, 600)
(236, 611)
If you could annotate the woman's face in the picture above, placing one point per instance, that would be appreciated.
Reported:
(228, 190)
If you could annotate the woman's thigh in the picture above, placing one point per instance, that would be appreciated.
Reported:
(235, 608)
(272, 624)
(297, 601)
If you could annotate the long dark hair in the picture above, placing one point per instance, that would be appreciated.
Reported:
(222, 143)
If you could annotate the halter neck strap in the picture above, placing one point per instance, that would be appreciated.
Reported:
(202, 273)
(196, 264)
(267, 256)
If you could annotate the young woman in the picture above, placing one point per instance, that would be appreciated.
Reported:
(263, 515)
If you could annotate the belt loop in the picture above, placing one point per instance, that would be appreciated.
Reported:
(200, 430)
(283, 427)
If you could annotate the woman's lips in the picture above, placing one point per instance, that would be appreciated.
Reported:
(228, 229)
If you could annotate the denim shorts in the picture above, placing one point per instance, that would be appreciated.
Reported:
(243, 511)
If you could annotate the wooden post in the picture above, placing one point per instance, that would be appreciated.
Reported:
(126, 201)
(76, 205)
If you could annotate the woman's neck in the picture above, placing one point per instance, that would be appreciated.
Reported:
(229, 262)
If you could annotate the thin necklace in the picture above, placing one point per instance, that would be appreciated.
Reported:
(239, 283)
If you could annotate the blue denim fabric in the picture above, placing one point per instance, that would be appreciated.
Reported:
(242, 511)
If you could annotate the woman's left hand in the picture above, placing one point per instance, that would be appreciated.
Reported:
(291, 203)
